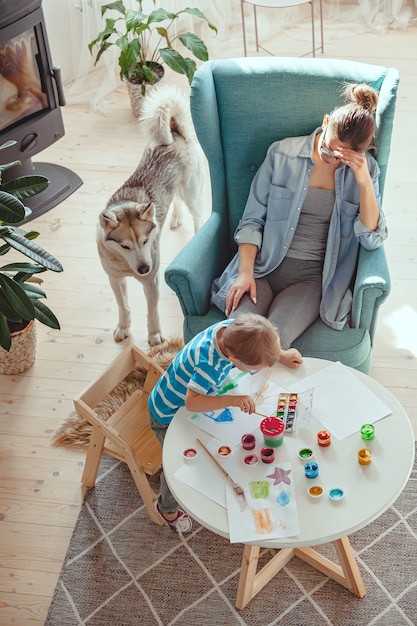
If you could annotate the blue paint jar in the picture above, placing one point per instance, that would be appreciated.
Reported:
(311, 469)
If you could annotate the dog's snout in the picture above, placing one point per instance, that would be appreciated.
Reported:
(143, 269)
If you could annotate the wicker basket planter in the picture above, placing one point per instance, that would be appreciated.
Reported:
(21, 355)
(135, 92)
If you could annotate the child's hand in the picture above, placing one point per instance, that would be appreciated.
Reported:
(291, 358)
(245, 403)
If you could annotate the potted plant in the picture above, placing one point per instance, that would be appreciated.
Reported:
(20, 293)
(145, 42)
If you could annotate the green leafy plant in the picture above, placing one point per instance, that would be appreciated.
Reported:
(145, 42)
(20, 293)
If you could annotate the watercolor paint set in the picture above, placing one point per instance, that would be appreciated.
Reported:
(295, 409)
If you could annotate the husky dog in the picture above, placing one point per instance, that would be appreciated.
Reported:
(129, 228)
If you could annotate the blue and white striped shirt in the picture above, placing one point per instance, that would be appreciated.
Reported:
(200, 366)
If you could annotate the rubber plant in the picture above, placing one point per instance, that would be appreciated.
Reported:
(20, 292)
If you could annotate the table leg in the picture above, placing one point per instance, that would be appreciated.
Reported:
(346, 574)
(251, 582)
(349, 566)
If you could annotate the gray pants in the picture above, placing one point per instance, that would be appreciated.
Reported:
(166, 500)
(289, 297)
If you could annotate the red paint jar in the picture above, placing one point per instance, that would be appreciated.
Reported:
(272, 429)
(248, 441)
(224, 451)
(268, 455)
(323, 438)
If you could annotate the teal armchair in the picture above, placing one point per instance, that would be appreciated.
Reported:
(239, 107)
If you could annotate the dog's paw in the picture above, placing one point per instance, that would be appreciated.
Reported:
(155, 339)
(120, 334)
(177, 215)
(175, 222)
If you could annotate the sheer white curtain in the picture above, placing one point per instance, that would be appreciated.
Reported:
(342, 18)
(372, 15)
(80, 21)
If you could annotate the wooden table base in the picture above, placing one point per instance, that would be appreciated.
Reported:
(251, 581)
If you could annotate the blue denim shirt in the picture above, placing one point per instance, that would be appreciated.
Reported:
(271, 216)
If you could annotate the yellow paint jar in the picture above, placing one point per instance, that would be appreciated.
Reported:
(364, 456)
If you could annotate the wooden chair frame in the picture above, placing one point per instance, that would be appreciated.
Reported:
(126, 435)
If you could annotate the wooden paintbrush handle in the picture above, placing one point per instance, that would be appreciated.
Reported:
(219, 465)
(264, 383)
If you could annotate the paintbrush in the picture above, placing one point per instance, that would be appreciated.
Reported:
(264, 383)
(237, 489)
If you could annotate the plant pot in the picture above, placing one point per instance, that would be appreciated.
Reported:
(21, 355)
(135, 90)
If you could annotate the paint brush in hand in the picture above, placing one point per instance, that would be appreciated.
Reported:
(237, 489)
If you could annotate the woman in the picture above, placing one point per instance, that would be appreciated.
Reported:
(313, 201)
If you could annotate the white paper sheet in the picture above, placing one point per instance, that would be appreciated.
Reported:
(197, 473)
(341, 402)
(228, 425)
(270, 510)
(264, 517)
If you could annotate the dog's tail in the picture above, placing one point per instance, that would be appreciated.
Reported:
(165, 116)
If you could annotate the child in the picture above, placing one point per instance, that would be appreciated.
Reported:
(196, 375)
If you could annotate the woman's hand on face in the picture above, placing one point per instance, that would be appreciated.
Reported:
(244, 283)
(356, 161)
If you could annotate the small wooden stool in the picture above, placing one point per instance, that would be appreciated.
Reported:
(126, 435)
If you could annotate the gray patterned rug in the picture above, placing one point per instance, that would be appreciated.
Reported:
(123, 570)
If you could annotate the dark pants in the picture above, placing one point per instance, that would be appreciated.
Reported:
(166, 500)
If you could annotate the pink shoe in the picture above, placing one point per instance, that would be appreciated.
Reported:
(181, 524)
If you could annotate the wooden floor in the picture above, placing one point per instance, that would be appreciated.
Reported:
(40, 491)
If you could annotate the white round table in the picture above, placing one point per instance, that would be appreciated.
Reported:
(370, 490)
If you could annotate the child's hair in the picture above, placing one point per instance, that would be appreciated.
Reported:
(252, 339)
(354, 122)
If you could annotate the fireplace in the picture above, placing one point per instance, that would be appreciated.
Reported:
(31, 96)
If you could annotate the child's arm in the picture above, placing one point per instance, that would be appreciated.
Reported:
(291, 357)
(199, 403)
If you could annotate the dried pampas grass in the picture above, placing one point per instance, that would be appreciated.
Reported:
(76, 431)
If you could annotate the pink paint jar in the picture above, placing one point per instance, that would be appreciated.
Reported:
(272, 429)
(251, 460)
(248, 441)
(189, 455)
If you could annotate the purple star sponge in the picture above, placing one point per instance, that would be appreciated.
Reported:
(280, 475)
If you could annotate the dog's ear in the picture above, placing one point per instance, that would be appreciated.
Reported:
(147, 212)
(108, 218)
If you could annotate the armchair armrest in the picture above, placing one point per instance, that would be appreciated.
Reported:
(192, 271)
(372, 287)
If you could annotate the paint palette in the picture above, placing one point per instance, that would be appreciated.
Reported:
(295, 409)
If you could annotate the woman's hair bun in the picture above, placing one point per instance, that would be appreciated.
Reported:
(362, 94)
